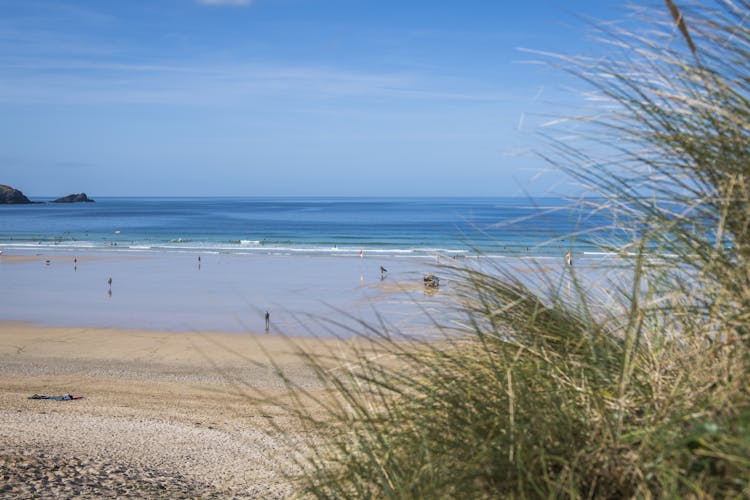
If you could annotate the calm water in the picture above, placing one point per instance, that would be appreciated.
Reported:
(330, 226)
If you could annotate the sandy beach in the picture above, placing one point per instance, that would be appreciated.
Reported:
(164, 414)
(173, 365)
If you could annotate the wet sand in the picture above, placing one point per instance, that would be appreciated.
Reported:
(221, 292)
(164, 414)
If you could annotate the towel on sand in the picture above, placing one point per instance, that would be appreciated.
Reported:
(64, 397)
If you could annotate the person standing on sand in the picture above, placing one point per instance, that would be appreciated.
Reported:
(268, 321)
(568, 259)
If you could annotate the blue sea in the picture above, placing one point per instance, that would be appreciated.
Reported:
(317, 225)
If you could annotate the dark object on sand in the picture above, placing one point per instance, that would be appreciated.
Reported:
(432, 281)
(74, 198)
(64, 397)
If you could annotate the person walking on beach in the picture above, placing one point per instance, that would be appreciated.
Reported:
(268, 321)
(109, 282)
(382, 272)
(568, 259)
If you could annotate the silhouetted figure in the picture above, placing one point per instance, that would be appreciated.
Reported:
(268, 321)
(109, 282)
(382, 272)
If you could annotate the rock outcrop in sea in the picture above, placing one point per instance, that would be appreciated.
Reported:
(9, 195)
(74, 198)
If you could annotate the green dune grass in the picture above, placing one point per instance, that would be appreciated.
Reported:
(560, 393)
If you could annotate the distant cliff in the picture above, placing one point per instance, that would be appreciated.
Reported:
(74, 198)
(8, 195)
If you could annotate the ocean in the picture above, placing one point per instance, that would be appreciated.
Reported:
(417, 227)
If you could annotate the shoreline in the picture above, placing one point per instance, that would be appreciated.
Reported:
(539, 251)
(163, 413)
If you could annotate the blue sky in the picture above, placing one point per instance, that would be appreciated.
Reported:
(284, 97)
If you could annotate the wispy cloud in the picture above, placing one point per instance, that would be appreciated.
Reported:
(44, 64)
(87, 80)
(234, 3)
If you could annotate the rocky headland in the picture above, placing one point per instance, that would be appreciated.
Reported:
(9, 195)
(12, 196)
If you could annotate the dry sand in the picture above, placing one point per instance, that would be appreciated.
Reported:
(163, 414)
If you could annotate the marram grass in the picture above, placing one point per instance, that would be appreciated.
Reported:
(552, 392)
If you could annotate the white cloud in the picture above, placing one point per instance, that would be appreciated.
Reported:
(225, 2)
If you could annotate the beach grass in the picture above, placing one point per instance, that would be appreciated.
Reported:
(641, 388)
